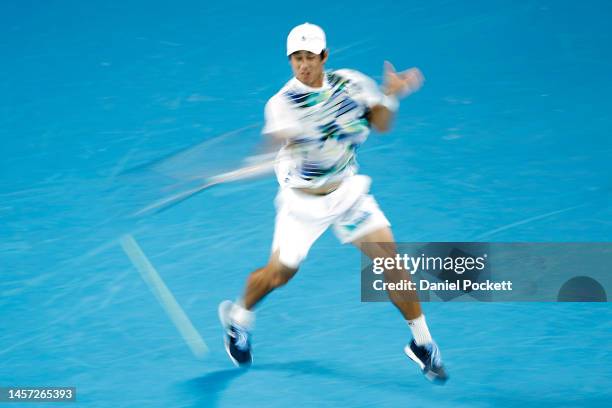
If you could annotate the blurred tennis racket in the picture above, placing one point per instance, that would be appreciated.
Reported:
(232, 156)
(262, 165)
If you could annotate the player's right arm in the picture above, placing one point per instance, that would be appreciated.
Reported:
(281, 125)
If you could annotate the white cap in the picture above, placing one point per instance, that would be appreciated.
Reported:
(306, 37)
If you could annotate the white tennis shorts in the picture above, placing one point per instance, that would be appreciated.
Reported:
(301, 218)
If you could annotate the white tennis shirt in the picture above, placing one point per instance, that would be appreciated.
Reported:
(326, 125)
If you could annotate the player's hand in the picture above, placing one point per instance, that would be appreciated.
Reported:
(401, 83)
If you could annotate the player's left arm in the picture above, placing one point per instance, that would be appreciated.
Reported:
(395, 85)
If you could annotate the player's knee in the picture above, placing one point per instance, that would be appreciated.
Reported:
(381, 250)
(388, 249)
(281, 276)
(278, 280)
(394, 275)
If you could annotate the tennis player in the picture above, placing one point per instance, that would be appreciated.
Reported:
(321, 118)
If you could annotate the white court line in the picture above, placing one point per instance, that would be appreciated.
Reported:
(164, 296)
(525, 221)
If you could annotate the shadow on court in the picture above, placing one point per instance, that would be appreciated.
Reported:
(209, 388)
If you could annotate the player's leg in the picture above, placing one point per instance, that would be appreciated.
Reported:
(264, 280)
(294, 234)
(380, 244)
(293, 237)
(238, 318)
(365, 226)
(422, 349)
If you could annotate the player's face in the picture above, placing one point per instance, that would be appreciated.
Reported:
(308, 67)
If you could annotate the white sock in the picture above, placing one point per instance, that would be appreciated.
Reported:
(242, 317)
(420, 331)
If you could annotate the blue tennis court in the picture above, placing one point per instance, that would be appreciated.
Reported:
(508, 141)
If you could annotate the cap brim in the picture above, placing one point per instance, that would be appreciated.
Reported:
(314, 48)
